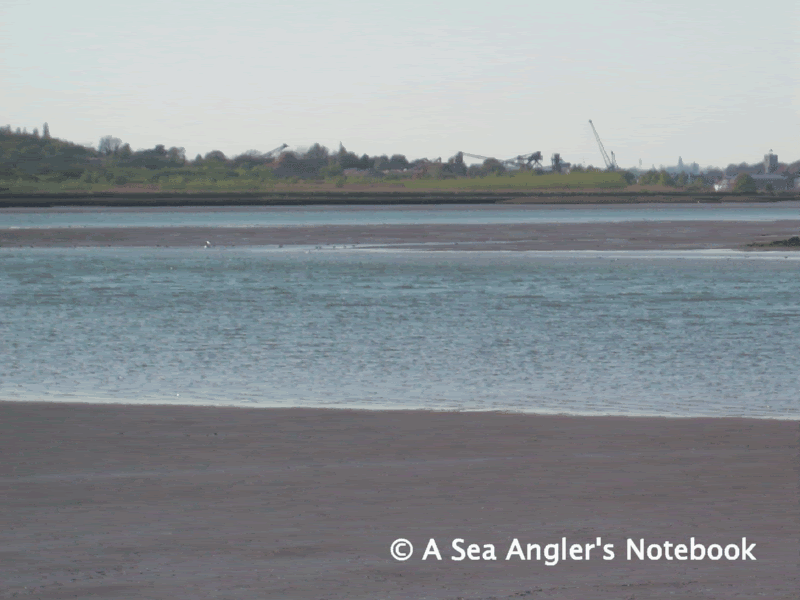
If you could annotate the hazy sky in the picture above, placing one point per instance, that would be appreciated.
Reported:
(711, 81)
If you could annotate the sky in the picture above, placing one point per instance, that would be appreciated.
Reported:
(712, 82)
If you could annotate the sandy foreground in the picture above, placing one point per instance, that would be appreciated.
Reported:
(114, 501)
(639, 235)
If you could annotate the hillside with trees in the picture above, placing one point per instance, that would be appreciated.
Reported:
(39, 163)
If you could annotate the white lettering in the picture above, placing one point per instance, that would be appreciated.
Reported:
(667, 546)
(538, 551)
(551, 554)
(700, 547)
(746, 550)
(432, 549)
(575, 549)
(681, 549)
(474, 552)
(735, 552)
(459, 549)
(654, 552)
(515, 549)
(638, 551)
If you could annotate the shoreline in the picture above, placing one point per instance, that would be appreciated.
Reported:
(121, 501)
(625, 235)
(378, 196)
(388, 409)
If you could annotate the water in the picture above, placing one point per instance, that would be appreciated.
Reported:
(665, 333)
(373, 215)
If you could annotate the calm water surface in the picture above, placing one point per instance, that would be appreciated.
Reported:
(711, 333)
(372, 215)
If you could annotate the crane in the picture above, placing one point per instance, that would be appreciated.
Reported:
(533, 157)
(611, 163)
(478, 156)
(278, 149)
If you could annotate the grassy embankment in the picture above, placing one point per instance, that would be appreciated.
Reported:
(210, 178)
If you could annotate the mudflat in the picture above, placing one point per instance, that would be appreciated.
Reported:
(121, 501)
(631, 235)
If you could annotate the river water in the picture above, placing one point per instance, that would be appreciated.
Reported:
(659, 333)
(393, 215)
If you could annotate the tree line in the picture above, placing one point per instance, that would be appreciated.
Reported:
(31, 156)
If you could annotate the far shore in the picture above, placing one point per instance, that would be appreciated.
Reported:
(191, 503)
(631, 235)
(378, 195)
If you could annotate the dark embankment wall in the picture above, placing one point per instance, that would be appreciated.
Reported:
(365, 198)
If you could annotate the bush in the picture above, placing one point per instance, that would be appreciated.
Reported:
(341, 181)
(665, 179)
(331, 170)
(744, 184)
(120, 180)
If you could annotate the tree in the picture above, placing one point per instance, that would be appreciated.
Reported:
(380, 163)
(455, 165)
(649, 178)
(316, 153)
(216, 155)
(315, 158)
(744, 183)
(46, 131)
(125, 151)
(177, 155)
(398, 161)
(109, 145)
(36, 132)
(492, 165)
(347, 160)
(665, 178)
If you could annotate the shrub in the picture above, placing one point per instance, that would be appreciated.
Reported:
(744, 183)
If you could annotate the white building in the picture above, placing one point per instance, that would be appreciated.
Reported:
(771, 182)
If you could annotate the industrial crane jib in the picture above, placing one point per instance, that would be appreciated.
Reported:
(611, 163)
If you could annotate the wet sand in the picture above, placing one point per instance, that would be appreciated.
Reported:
(112, 501)
(637, 235)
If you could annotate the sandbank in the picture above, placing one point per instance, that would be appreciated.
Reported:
(116, 501)
(628, 235)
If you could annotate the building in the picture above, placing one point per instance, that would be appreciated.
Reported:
(764, 183)
(772, 182)
(768, 181)
(770, 163)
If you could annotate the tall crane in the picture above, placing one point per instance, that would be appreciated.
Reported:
(533, 157)
(611, 163)
(478, 156)
(276, 150)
